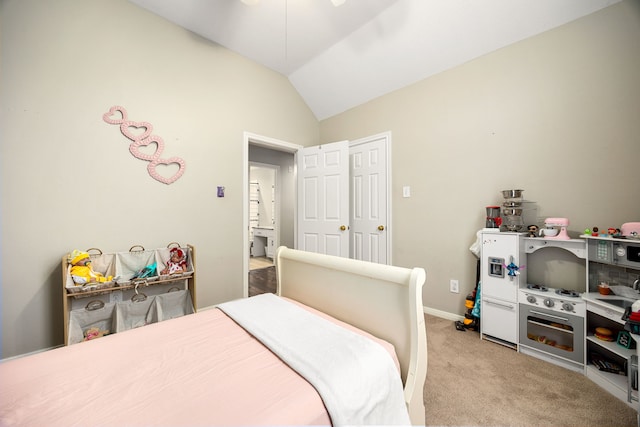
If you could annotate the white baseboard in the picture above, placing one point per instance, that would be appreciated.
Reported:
(442, 314)
(29, 354)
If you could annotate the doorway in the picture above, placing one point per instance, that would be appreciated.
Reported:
(284, 154)
(264, 213)
(268, 153)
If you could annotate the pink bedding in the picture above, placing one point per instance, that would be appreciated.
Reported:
(197, 370)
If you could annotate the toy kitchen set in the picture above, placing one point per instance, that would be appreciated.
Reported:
(582, 322)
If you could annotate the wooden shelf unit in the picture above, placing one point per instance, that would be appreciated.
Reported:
(186, 280)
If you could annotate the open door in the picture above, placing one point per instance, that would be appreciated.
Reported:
(323, 199)
(370, 207)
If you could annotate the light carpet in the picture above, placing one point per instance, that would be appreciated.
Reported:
(474, 382)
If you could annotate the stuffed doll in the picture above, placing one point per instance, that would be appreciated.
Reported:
(93, 333)
(81, 271)
(177, 262)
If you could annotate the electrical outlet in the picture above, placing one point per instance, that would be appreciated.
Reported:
(453, 286)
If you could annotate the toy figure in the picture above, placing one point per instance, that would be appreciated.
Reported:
(93, 333)
(533, 231)
(147, 271)
(81, 271)
(513, 269)
(177, 262)
(594, 231)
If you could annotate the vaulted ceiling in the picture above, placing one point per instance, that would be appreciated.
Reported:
(338, 57)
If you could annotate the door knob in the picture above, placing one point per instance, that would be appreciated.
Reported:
(343, 227)
(381, 227)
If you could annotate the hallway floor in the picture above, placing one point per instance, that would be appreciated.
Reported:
(256, 263)
(262, 280)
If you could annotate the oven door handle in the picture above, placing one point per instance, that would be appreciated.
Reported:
(549, 315)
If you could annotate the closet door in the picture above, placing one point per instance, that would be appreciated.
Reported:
(369, 205)
(323, 199)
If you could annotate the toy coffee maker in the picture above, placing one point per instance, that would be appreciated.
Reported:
(493, 217)
(555, 228)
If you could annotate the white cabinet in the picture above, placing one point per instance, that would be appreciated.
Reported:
(498, 319)
(624, 387)
(501, 276)
(607, 311)
(264, 242)
(271, 247)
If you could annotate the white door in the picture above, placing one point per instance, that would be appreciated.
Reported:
(323, 199)
(369, 204)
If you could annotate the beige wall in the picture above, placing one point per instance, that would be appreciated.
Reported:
(67, 178)
(557, 115)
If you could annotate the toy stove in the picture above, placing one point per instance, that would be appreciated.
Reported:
(551, 325)
(562, 300)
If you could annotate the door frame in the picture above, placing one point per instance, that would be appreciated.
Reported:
(249, 138)
(275, 169)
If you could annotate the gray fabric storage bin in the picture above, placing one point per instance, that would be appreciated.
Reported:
(130, 263)
(163, 255)
(82, 320)
(133, 314)
(171, 305)
(100, 263)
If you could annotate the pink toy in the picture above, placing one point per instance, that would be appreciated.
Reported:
(177, 262)
(551, 229)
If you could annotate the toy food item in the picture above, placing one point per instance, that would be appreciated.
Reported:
(564, 347)
(604, 334)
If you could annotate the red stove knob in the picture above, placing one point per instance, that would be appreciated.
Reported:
(548, 302)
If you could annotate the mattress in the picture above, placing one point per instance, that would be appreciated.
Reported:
(200, 369)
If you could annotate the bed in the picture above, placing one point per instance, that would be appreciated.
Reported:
(205, 369)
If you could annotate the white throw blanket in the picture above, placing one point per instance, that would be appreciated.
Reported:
(356, 377)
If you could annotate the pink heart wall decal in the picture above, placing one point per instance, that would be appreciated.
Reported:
(136, 131)
(134, 148)
(153, 171)
(115, 115)
(143, 144)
